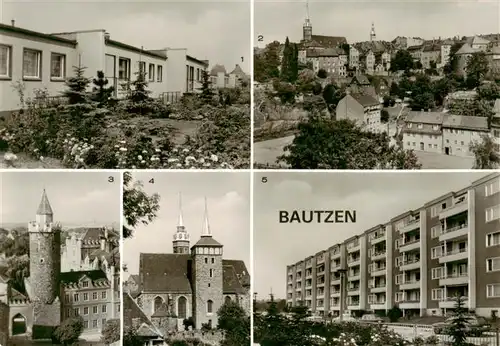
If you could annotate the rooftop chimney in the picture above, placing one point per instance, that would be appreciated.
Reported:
(13, 22)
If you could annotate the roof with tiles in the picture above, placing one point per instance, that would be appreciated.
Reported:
(425, 117)
(131, 312)
(465, 122)
(328, 52)
(97, 277)
(172, 273)
(365, 100)
(329, 41)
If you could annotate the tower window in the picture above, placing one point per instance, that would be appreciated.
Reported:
(209, 285)
(213, 260)
(42, 260)
(211, 273)
(206, 260)
(210, 306)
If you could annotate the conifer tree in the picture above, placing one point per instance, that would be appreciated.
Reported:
(286, 60)
(139, 92)
(102, 93)
(77, 87)
(206, 91)
(459, 323)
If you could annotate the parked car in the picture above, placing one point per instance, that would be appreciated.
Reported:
(372, 318)
(345, 318)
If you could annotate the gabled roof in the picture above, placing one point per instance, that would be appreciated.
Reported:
(465, 122)
(131, 312)
(75, 276)
(328, 52)
(16, 295)
(329, 41)
(238, 71)
(435, 118)
(231, 282)
(128, 47)
(360, 79)
(365, 100)
(217, 69)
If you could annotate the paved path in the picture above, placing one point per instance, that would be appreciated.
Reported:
(266, 152)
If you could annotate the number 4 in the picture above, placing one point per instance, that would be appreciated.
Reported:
(152, 180)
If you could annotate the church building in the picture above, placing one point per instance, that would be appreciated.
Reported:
(192, 282)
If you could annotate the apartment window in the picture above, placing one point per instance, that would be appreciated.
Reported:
(103, 308)
(68, 312)
(435, 211)
(85, 296)
(435, 231)
(420, 126)
(493, 213)
(142, 66)
(490, 189)
(86, 310)
(57, 66)
(159, 74)
(103, 322)
(123, 68)
(198, 74)
(213, 260)
(493, 239)
(437, 294)
(94, 323)
(398, 279)
(493, 264)
(94, 295)
(5, 61)
(103, 295)
(399, 296)
(76, 312)
(95, 310)
(462, 142)
(493, 291)
(151, 72)
(66, 297)
(85, 324)
(396, 244)
(437, 273)
(206, 260)
(32, 64)
(436, 252)
(435, 127)
(75, 297)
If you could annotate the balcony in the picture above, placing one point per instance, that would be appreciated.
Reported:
(409, 245)
(353, 291)
(410, 304)
(378, 288)
(309, 264)
(335, 293)
(335, 255)
(335, 281)
(355, 277)
(457, 208)
(454, 280)
(454, 232)
(410, 265)
(378, 255)
(410, 226)
(378, 239)
(378, 306)
(335, 266)
(449, 303)
(378, 271)
(409, 285)
(352, 262)
(353, 248)
(454, 255)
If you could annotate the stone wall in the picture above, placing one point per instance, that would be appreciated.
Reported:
(4, 323)
(165, 324)
(214, 337)
(207, 288)
(25, 310)
(45, 318)
(146, 302)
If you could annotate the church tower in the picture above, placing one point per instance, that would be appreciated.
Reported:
(373, 36)
(181, 236)
(207, 279)
(307, 28)
(45, 269)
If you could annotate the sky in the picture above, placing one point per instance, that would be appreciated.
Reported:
(376, 198)
(228, 202)
(429, 19)
(215, 30)
(77, 198)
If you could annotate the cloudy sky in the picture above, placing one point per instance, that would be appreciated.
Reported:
(77, 198)
(215, 30)
(376, 197)
(275, 20)
(228, 200)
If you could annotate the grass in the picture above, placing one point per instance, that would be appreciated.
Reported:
(25, 161)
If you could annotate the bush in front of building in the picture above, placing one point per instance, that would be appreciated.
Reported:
(68, 332)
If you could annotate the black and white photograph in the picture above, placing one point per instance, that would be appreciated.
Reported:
(186, 258)
(401, 258)
(59, 258)
(125, 85)
(410, 84)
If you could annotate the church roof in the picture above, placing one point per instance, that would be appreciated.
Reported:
(172, 273)
(207, 241)
(44, 207)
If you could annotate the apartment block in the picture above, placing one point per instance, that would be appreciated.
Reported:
(419, 261)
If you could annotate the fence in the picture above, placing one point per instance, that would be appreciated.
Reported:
(49, 101)
(170, 97)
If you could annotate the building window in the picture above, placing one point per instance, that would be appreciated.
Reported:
(66, 297)
(57, 66)
(142, 67)
(493, 291)
(85, 284)
(94, 309)
(86, 310)
(85, 324)
(210, 306)
(32, 64)
(85, 296)
(420, 126)
(206, 260)
(159, 74)
(493, 239)
(123, 68)
(75, 297)
(103, 308)
(435, 231)
(103, 322)
(94, 323)
(103, 295)
(76, 312)
(211, 273)
(213, 260)
(5, 61)
(493, 264)
(437, 273)
(490, 189)
(151, 72)
(493, 213)
(437, 294)
(94, 295)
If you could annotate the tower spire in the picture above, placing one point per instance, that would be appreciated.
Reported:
(206, 232)
(44, 208)
(307, 11)
(180, 221)
(307, 28)
(373, 36)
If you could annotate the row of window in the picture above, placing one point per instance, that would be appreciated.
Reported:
(86, 310)
(124, 69)
(492, 291)
(32, 64)
(95, 296)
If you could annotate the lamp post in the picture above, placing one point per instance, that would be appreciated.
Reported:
(341, 311)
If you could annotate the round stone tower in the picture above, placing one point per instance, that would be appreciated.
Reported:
(45, 254)
(181, 237)
(207, 272)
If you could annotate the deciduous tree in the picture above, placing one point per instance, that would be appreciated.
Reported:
(69, 331)
(111, 331)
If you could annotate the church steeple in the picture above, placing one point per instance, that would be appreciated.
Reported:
(181, 237)
(373, 36)
(205, 231)
(307, 27)
(44, 213)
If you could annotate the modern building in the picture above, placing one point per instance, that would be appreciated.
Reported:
(192, 282)
(418, 260)
(443, 133)
(45, 61)
(495, 124)
(53, 295)
(363, 109)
